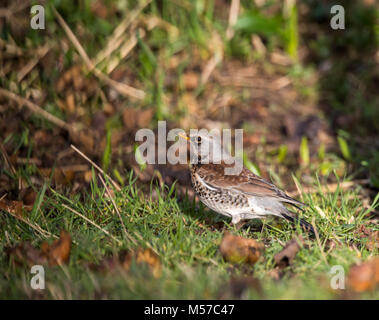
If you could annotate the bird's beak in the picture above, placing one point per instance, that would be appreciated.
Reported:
(183, 136)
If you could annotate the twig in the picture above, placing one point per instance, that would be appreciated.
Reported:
(122, 88)
(7, 161)
(36, 227)
(32, 63)
(116, 208)
(125, 49)
(36, 109)
(118, 188)
(116, 38)
(318, 240)
(214, 61)
(93, 223)
(233, 15)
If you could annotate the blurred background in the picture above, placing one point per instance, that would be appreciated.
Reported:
(306, 96)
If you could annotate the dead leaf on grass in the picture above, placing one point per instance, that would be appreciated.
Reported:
(190, 80)
(28, 196)
(285, 257)
(60, 176)
(369, 237)
(124, 259)
(149, 257)
(237, 249)
(135, 119)
(57, 253)
(365, 276)
(14, 207)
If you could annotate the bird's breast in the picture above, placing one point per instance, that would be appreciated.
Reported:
(221, 200)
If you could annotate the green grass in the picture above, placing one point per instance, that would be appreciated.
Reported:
(180, 230)
(192, 267)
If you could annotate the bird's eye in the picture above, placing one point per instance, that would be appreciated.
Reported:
(198, 139)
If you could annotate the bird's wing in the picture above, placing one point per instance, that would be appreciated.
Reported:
(246, 182)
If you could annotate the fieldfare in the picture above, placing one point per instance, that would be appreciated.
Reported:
(241, 196)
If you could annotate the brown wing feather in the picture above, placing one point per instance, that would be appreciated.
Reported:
(247, 182)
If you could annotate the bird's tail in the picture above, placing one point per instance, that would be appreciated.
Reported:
(296, 220)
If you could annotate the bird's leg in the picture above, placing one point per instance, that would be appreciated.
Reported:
(238, 222)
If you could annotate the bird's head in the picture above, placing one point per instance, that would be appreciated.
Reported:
(206, 147)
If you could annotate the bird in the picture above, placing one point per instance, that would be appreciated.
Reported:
(242, 196)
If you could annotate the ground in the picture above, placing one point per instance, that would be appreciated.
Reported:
(305, 96)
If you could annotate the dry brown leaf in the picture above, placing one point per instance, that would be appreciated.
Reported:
(85, 140)
(59, 251)
(88, 176)
(60, 176)
(99, 9)
(149, 257)
(28, 196)
(42, 138)
(237, 249)
(135, 119)
(285, 257)
(146, 175)
(370, 237)
(55, 254)
(365, 276)
(190, 80)
(70, 102)
(14, 207)
(121, 261)
(124, 259)
(25, 253)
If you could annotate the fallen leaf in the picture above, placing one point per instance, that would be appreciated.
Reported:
(285, 257)
(99, 9)
(365, 276)
(42, 138)
(124, 259)
(25, 253)
(88, 176)
(57, 253)
(145, 175)
(70, 102)
(28, 196)
(236, 249)
(14, 207)
(121, 261)
(60, 176)
(149, 257)
(85, 140)
(135, 118)
(191, 104)
(190, 80)
(369, 237)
